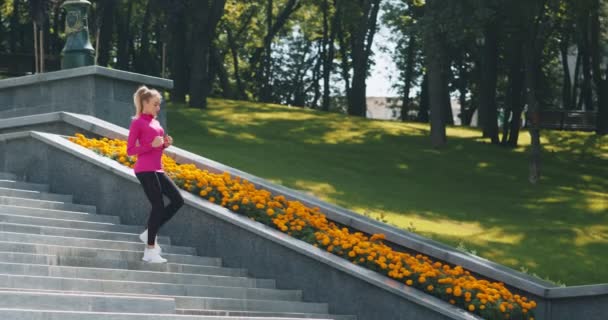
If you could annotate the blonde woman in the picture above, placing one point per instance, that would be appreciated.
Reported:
(147, 140)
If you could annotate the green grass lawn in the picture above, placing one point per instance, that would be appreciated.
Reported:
(469, 192)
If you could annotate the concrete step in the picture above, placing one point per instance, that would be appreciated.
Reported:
(92, 243)
(142, 277)
(34, 194)
(235, 288)
(20, 314)
(45, 204)
(57, 214)
(84, 302)
(52, 260)
(8, 176)
(7, 183)
(109, 254)
(73, 224)
(250, 305)
(208, 303)
(75, 233)
(260, 314)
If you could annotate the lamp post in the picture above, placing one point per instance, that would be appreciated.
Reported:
(78, 51)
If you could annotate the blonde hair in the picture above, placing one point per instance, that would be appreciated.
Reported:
(142, 94)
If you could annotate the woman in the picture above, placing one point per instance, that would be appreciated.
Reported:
(151, 141)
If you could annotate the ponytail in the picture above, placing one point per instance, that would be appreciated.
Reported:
(142, 94)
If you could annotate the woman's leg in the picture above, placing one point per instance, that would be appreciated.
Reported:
(169, 189)
(153, 191)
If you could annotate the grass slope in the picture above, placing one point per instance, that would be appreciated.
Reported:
(468, 193)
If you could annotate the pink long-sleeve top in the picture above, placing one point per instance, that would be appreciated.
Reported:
(143, 130)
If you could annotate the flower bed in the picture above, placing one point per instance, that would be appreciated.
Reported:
(490, 300)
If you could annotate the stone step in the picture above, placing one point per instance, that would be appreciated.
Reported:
(34, 194)
(259, 314)
(73, 224)
(75, 233)
(45, 204)
(41, 248)
(83, 242)
(250, 305)
(201, 287)
(57, 214)
(8, 176)
(84, 302)
(101, 280)
(20, 314)
(7, 183)
(52, 260)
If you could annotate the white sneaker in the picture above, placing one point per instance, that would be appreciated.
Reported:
(144, 238)
(152, 256)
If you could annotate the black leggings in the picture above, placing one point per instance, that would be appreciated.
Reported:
(155, 185)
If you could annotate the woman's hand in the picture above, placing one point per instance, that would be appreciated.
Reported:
(158, 141)
(168, 141)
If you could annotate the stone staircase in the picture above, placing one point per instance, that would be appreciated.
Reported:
(61, 260)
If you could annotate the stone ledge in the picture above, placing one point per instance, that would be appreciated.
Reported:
(87, 71)
(413, 295)
(400, 237)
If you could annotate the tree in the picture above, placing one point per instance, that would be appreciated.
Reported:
(206, 16)
(435, 51)
(359, 19)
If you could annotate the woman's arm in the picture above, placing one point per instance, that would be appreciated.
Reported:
(132, 148)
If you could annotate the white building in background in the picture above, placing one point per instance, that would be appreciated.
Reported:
(389, 108)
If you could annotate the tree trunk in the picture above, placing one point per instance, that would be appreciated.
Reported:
(235, 61)
(55, 42)
(106, 32)
(515, 91)
(358, 104)
(206, 17)
(328, 53)
(434, 51)
(345, 63)
(362, 32)
(489, 77)
(448, 115)
(532, 70)
(179, 63)
(576, 86)
(567, 86)
(265, 68)
(409, 75)
(584, 49)
(218, 68)
(124, 31)
(260, 60)
(142, 61)
(15, 26)
(601, 83)
(423, 112)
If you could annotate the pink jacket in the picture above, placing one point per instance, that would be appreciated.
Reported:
(143, 130)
